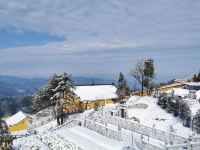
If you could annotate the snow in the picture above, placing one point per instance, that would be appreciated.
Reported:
(194, 107)
(89, 140)
(193, 103)
(171, 85)
(192, 83)
(15, 119)
(198, 94)
(96, 92)
(44, 141)
(179, 92)
(154, 114)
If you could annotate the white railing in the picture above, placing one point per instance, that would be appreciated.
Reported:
(141, 129)
(176, 141)
(145, 145)
(68, 124)
(103, 130)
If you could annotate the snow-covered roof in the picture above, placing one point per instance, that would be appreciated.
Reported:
(15, 119)
(171, 85)
(192, 83)
(96, 92)
(179, 91)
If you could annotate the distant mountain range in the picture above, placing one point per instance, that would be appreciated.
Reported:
(13, 87)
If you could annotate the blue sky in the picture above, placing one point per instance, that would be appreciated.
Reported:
(99, 37)
(10, 38)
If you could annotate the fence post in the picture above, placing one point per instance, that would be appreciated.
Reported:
(104, 119)
(84, 121)
(171, 136)
(193, 137)
(189, 143)
(165, 146)
(153, 131)
(141, 138)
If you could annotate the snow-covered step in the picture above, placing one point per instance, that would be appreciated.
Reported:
(89, 140)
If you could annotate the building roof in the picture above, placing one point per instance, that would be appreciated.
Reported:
(15, 119)
(171, 85)
(96, 92)
(179, 91)
(192, 83)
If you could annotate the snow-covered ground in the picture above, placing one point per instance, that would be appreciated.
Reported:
(89, 140)
(155, 115)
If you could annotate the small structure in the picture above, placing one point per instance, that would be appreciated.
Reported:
(114, 112)
(123, 111)
(17, 122)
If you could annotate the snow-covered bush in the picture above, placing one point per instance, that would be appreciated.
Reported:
(162, 100)
(169, 105)
(197, 122)
(46, 141)
(176, 106)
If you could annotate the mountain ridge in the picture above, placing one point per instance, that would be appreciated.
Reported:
(13, 87)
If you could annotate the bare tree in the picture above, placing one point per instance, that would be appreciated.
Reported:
(138, 73)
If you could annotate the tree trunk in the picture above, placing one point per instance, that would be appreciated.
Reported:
(142, 87)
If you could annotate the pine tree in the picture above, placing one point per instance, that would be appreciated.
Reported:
(160, 100)
(185, 114)
(176, 107)
(59, 87)
(164, 104)
(66, 86)
(198, 76)
(197, 122)
(122, 88)
(188, 119)
(149, 73)
(169, 104)
(181, 110)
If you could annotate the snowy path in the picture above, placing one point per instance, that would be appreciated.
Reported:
(89, 140)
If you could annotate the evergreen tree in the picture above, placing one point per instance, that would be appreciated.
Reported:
(65, 85)
(199, 76)
(164, 104)
(57, 88)
(188, 119)
(149, 73)
(169, 104)
(185, 114)
(181, 110)
(176, 107)
(197, 122)
(122, 88)
(162, 100)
